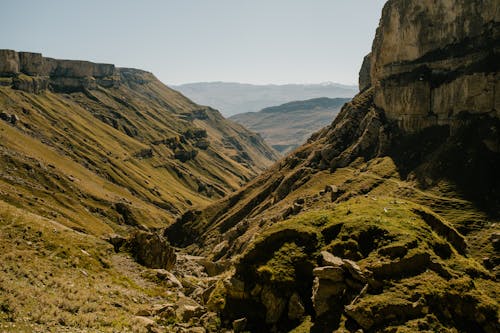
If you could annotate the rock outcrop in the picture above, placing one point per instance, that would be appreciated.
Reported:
(364, 73)
(62, 75)
(152, 250)
(432, 61)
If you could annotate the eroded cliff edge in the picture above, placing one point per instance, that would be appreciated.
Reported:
(432, 61)
(34, 73)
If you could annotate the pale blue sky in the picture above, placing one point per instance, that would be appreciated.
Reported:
(180, 41)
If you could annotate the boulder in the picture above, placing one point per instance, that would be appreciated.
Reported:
(184, 155)
(411, 264)
(214, 268)
(239, 325)
(147, 323)
(326, 294)
(165, 275)
(274, 304)
(211, 322)
(354, 270)
(152, 250)
(330, 273)
(369, 315)
(235, 288)
(328, 259)
(187, 308)
(296, 308)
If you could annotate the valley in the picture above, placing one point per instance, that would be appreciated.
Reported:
(287, 126)
(127, 207)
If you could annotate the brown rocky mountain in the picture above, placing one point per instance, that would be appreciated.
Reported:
(386, 220)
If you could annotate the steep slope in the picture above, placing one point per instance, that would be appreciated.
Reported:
(93, 159)
(287, 126)
(386, 220)
(93, 145)
(233, 98)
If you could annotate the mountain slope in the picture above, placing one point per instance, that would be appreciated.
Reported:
(289, 125)
(93, 159)
(234, 98)
(386, 220)
(101, 137)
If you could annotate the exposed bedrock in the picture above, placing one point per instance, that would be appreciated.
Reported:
(34, 73)
(432, 61)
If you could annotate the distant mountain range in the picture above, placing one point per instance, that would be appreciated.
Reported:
(289, 125)
(233, 98)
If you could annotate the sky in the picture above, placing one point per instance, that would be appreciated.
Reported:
(181, 41)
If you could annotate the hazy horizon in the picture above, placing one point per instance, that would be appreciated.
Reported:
(259, 42)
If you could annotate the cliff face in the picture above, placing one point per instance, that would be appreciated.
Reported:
(433, 60)
(61, 75)
(412, 194)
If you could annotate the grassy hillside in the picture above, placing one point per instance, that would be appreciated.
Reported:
(76, 156)
(287, 126)
(421, 227)
(80, 165)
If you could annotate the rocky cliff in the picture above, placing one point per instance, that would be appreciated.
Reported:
(432, 61)
(61, 75)
(387, 219)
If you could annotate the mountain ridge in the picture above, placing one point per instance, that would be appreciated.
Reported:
(287, 126)
(58, 102)
(234, 98)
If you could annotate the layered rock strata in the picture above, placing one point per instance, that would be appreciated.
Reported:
(432, 61)
(34, 73)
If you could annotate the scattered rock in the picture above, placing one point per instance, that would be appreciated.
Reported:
(214, 268)
(411, 264)
(5, 116)
(187, 308)
(296, 308)
(163, 274)
(144, 313)
(274, 304)
(117, 241)
(328, 259)
(152, 250)
(148, 323)
(14, 119)
(354, 270)
(326, 293)
(331, 273)
(239, 325)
